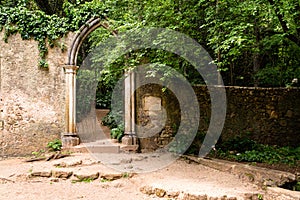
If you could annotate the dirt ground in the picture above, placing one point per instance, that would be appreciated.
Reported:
(179, 177)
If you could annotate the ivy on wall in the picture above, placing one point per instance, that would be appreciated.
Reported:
(43, 28)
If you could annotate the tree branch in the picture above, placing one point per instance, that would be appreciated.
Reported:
(283, 24)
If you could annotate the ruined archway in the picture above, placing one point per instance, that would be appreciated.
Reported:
(70, 136)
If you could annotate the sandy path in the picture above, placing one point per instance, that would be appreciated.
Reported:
(177, 177)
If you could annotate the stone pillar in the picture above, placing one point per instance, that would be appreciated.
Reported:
(70, 137)
(129, 139)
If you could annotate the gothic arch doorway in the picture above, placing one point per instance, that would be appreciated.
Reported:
(70, 137)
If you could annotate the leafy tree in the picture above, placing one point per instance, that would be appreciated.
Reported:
(252, 42)
(248, 36)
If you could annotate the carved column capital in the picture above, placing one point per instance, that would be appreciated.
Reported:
(70, 69)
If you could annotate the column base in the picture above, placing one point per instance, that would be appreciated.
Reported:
(129, 139)
(130, 143)
(70, 141)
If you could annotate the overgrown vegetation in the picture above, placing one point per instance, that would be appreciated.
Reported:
(243, 149)
(30, 22)
(252, 42)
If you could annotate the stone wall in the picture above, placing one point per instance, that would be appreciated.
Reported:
(157, 116)
(266, 115)
(32, 99)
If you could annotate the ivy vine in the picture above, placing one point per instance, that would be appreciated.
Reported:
(43, 28)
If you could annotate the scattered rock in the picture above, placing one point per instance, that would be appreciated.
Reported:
(87, 177)
(53, 156)
(172, 194)
(147, 190)
(41, 174)
(111, 177)
(187, 196)
(159, 192)
(61, 174)
(64, 165)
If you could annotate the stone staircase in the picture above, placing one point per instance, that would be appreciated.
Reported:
(100, 146)
(95, 137)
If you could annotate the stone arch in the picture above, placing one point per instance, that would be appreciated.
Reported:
(83, 32)
(70, 137)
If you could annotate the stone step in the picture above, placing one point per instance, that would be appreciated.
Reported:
(103, 148)
(100, 146)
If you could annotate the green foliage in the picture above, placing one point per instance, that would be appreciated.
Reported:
(117, 133)
(46, 29)
(109, 120)
(55, 145)
(104, 180)
(252, 42)
(297, 186)
(125, 175)
(114, 122)
(38, 153)
(246, 150)
(247, 36)
(270, 155)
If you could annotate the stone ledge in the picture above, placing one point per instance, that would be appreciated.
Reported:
(180, 195)
(257, 175)
(281, 194)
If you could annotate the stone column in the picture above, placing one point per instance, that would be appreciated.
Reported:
(70, 137)
(129, 139)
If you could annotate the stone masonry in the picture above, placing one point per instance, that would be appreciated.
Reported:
(266, 115)
(32, 99)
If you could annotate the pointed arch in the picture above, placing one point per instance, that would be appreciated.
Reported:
(83, 32)
(70, 137)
